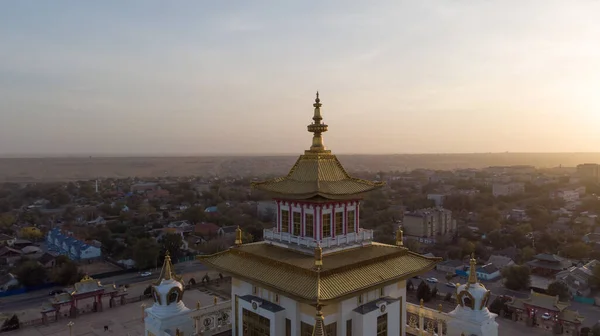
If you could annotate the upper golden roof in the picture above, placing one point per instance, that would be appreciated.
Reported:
(341, 274)
(317, 172)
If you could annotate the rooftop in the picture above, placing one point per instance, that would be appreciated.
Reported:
(342, 273)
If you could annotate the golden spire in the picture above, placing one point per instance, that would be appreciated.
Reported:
(317, 128)
(473, 270)
(238, 236)
(167, 266)
(399, 237)
(167, 273)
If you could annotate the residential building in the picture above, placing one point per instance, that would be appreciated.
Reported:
(568, 195)
(438, 199)
(487, 272)
(500, 261)
(227, 231)
(450, 266)
(578, 279)
(589, 171)
(508, 189)
(428, 223)
(313, 273)
(75, 249)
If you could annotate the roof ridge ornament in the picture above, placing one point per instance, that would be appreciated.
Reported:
(319, 328)
(238, 236)
(317, 128)
(399, 237)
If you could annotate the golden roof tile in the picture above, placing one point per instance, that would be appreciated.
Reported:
(343, 273)
(317, 172)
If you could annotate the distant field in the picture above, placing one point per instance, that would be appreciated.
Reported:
(69, 169)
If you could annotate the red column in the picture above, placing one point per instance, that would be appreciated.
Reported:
(291, 221)
(332, 220)
(317, 222)
(356, 216)
(278, 216)
(345, 218)
(302, 222)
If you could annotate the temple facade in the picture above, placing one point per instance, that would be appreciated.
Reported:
(317, 272)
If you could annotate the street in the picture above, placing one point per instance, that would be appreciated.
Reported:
(35, 299)
(591, 313)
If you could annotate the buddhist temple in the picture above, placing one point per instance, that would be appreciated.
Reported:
(318, 272)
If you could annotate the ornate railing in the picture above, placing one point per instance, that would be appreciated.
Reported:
(424, 321)
(361, 235)
(213, 319)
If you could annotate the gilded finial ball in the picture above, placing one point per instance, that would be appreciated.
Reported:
(440, 307)
(215, 300)
(422, 303)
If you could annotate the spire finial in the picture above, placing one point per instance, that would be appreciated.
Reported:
(473, 270)
(317, 128)
(167, 266)
(238, 236)
(399, 237)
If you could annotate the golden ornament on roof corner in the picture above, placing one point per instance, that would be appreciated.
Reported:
(399, 237)
(238, 236)
(318, 256)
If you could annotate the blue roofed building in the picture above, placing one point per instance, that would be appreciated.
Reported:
(71, 247)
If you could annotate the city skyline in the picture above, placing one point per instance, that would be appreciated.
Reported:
(199, 78)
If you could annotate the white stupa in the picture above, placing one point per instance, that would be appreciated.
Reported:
(168, 316)
(471, 316)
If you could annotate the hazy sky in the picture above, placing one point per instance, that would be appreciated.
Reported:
(197, 77)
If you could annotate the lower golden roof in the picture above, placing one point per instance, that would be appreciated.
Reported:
(343, 273)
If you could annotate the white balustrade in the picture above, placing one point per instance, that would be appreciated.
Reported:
(349, 238)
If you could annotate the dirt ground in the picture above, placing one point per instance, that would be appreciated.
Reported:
(98, 268)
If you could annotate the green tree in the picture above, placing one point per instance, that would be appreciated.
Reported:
(30, 273)
(560, 289)
(194, 214)
(578, 250)
(11, 324)
(146, 253)
(424, 292)
(527, 253)
(413, 245)
(516, 277)
(172, 242)
(595, 279)
(66, 274)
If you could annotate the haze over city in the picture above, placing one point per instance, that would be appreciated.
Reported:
(237, 77)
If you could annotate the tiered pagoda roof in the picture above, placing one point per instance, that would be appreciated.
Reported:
(317, 173)
(343, 273)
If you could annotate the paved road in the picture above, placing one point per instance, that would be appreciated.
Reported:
(36, 299)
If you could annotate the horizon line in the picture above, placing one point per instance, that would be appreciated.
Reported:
(180, 155)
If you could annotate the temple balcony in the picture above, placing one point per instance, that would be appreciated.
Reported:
(363, 235)
(421, 321)
(212, 320)
(425, 321)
